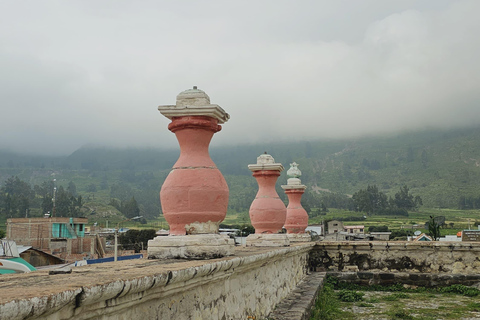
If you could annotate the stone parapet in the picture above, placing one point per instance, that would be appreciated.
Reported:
(399, 256)
(248, 285)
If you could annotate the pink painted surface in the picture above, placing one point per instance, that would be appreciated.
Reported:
(267, 212)
(195, 191)
(297, 217)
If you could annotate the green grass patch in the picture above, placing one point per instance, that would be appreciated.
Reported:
(350, 296)
(327, 306)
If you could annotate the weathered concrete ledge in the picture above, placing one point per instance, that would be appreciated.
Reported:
(249, 284)
(298, 305)
(433, 257)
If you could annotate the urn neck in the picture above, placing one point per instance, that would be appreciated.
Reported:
(266, 180)
(194, 134)
(294, 196)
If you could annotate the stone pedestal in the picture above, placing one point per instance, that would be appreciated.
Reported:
(194, 196)
(268, 240)
(199, 246)
(297, 218)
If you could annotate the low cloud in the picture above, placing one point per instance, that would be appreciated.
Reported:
(76, 73)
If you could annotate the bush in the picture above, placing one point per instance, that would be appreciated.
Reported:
(401, 233)
(460, 289)
(378, 229)
(400, 315)
(365, 305)
(350, 296)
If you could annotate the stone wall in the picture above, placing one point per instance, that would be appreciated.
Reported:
(247, 286)
(431, 257)
(409, 280)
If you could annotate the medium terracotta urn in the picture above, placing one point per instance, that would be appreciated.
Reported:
(297, 217)
(267, 211)
(194, 196)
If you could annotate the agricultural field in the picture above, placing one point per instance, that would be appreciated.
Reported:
(396, 302)
(455, 220)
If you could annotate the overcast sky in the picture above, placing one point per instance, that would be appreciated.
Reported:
(76, 73)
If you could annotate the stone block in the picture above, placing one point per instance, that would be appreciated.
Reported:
(365, 275)
(268, 240)
(299, 237)
(200, 246)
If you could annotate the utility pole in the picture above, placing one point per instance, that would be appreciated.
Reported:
(116, 244)
(54, 195)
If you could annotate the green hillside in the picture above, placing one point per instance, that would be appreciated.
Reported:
(441, 166)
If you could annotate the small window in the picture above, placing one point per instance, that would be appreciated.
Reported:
(80, 227)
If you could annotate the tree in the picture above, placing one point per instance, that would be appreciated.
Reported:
(91, 188)
(134, 239)
(131, 209)
(405, 200)
(72, 188)
(16, 197)
(378, 229)
(121, 191)
(433, 228)
(370, 200)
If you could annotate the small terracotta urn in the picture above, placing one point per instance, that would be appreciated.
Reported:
(194, 196)
(267, 212)
(297, 217)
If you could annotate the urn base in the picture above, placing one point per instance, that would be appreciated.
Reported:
(299, 237)
(195, 247)
(268, 240)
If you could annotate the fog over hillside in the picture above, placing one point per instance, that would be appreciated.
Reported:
(78, 73)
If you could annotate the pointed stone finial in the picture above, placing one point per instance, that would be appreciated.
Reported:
(294, 172)
(293, 182)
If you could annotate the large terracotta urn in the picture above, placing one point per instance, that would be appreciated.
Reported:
(297, 217)
(194, 196)
(267, 211)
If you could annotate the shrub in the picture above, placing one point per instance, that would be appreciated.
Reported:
(460, 289)
(350, 296)
(365, 305)
(395, 296)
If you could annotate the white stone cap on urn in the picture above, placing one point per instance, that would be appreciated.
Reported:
(265, 162)
(294, 182)
(194, 102)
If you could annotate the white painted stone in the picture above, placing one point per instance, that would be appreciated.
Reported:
(294, 186)
(299, 237)
(294, 181)
(265, 162)
(198, 246)
(294, 172)
(268, 240)
(194, 102)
